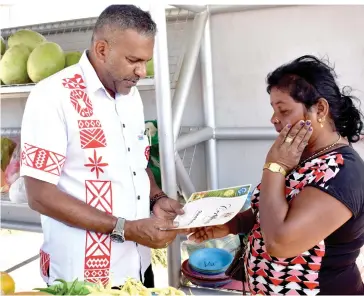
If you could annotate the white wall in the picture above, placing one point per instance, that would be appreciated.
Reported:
(248, 45)
(359, 147)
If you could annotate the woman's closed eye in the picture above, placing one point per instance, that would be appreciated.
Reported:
(284, 112)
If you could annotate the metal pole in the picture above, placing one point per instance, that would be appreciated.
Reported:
(193, 8)
(187, 71)
(165, 132)
(209, 107)
(245, 133)
(184, 180)
(194, 138)
(216, 9)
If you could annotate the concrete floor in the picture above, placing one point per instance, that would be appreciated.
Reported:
(17, 246)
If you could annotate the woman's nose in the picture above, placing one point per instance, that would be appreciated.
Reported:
(274, 120)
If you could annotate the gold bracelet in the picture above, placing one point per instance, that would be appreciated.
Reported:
(275, 168)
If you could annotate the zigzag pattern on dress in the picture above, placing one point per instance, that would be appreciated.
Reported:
(297, 275)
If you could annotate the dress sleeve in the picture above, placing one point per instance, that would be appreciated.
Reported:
(43, 136)
(341, 176)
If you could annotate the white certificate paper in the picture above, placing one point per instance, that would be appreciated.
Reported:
(215, 207)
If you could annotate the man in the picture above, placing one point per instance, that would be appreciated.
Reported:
(84, 159)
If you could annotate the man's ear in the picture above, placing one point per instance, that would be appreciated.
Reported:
(101, 49)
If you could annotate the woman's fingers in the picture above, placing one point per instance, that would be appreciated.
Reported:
(202, 234)
(301, 135)
(283, 134)
(302, 145)
(293, 132)
(198, 234)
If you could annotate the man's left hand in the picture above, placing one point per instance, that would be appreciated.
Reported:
(167, 208)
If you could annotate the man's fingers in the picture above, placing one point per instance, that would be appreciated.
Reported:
(175, 207)
(178, 208)
(180, 211)
(166, 224)
(171, 234)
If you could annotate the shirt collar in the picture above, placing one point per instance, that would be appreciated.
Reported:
(92, 81)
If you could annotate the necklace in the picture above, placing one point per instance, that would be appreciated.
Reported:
(319, 152)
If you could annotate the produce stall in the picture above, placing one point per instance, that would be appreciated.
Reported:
(183, 42)
(32, 53)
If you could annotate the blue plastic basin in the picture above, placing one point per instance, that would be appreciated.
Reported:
(210, 260)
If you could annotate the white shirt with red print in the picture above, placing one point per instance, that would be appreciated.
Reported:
(93, 147)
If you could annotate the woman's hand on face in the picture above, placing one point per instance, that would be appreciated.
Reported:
(288, 147)
(202, 234)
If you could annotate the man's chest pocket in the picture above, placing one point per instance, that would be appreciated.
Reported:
(141, 149)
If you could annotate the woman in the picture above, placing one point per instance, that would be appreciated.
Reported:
(306, 222)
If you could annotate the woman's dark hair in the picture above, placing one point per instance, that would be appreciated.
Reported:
(307, 79)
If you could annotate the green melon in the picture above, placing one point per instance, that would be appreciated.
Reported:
(150, 68)
(13, 65)
(7, 148)
(45, 60)
(3, 46)
(72, 58)
(27, 37)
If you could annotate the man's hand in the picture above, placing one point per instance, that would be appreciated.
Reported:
(167, 208)
(147, 232)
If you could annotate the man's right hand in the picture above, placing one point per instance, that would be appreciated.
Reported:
(147, 232)
(199, 235)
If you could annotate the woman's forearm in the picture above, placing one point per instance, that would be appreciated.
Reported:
(242, 222)
(273, 206)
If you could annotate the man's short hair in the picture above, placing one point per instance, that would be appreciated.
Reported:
(126, 17)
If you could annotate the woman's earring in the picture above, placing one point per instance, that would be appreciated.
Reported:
(321, 121)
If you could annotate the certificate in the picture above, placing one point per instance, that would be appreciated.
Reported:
(214, 207)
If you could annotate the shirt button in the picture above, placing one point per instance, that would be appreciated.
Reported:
(123, 125)
(129, 149)
(134, 173)
(138, 197)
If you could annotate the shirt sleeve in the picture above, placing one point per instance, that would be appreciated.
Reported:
(43, 136)
(342, 179)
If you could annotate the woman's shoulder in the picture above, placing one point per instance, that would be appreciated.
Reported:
(343, 159)
(340, 173)
(341, 170)
(347, 159)
(351, 167)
